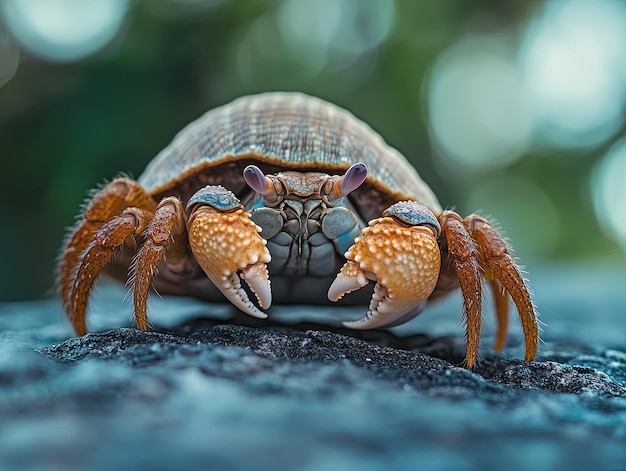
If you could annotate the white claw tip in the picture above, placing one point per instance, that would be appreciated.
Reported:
(257, 278)
(344, 285)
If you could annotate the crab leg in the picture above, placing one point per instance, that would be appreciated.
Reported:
(225, 242)
(97, 255)
(499, 267)
(400, 252)
(501, 303)
(463, 254)
(165, 236)
(107, 203)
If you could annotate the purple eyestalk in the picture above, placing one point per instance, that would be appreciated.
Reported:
(353, 178)
(255, 178)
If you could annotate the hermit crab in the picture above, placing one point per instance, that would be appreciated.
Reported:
(288, 187)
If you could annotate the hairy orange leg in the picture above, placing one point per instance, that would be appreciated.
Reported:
(165, 236)
(97, 255)
(501, 304)
(501, 268)
(462, 253)
(109, 202)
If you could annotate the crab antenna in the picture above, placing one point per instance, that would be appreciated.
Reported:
(256, 179)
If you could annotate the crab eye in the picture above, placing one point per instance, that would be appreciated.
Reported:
(269, 187)
(340, 186)
(256, 179)
(353, 178)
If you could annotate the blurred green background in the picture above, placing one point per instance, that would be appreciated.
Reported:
(515, 108)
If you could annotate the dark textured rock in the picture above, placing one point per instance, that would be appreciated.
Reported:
(499, 379)
(205, 394)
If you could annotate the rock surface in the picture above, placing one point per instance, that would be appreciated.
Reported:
(205, 394)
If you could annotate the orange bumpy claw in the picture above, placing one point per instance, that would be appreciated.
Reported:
(225, 243)
(404, 261)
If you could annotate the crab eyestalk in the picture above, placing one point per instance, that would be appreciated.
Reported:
(227, 245)
(268, 186)
(342, 185)
(401, 254)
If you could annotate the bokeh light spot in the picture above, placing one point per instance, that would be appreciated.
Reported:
(9, 56)
(608, 186)
(524, 212)
(64, 30)
(334, 31)
(302, 39)
(478, 108)
(573, 61)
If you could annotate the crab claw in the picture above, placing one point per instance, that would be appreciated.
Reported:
(227, 246)
(404, 260)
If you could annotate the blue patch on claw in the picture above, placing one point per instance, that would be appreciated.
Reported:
(215, 196)
(413, 214)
